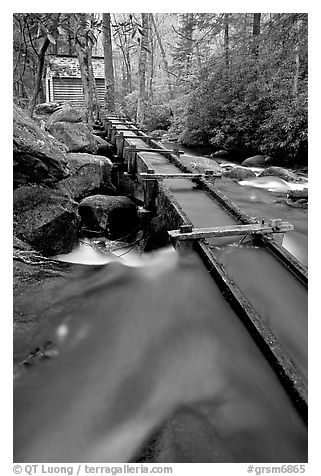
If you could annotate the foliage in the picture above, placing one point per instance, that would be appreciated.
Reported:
(207, 76)
(158, 116)
(254, 105)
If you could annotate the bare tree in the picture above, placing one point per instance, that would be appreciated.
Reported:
(256, 33)
(142, 69)
(226, 40)
(160, 44)
(40, 55)
(109, 67)
(84, 41)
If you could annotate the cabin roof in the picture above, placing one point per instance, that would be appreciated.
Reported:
(65, 66)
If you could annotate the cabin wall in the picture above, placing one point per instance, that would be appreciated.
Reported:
(63, 80)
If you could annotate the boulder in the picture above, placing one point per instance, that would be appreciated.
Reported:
(45, 219)
(201, 164)
(35, 301)
(89, 175)
(298, 194)
(224, 154)
(238, 173)
(104, 147)
(37, 156)
(157, 134)
(169, 137)
(116, 216)
(66, 113)
(77, 137)
(47, 108)
(202, 167)
(256, 161)
(281, 173)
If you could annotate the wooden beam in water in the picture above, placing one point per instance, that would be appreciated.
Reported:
(120, 129)
(275, 226)
(179, 175)
(116, 122)
(135, 137)
(160, 151)
(116, 129)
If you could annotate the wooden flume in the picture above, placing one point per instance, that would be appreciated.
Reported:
(270, 233)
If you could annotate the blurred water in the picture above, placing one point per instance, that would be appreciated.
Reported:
(264, 204)
(142, 339)
(138, 344)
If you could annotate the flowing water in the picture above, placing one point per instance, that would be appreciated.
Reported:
(149, 340)
(138, 344)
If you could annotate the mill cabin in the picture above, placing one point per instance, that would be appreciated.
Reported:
(63, 79)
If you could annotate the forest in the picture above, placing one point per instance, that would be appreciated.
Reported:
(219, 81)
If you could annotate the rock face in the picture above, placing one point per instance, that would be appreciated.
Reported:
(89, 175)
(45, 219)
(256, 161)
(37, 157)
(35, 301)
(77, 137)
(280, 172)
(116, 217)
(238, 173)
(47, 108)
(104, 147)
(66, 113)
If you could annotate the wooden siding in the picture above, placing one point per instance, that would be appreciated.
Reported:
(70, 90)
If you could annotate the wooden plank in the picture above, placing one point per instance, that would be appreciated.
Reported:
(134, 137)
(119, 122)
(178, 175)
(231, 230)
(262, 335)
(160, 151)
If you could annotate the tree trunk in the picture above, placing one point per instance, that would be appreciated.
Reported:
(226, 40)
(38, 78)
(151, 44)
(83, 59)
(296, 61)
(256, 34)
(109, 67)
(142, 70)
(40, 67)
(160, 44)
(128, 72)
(84, 54)
(123, 45)
(96, 105)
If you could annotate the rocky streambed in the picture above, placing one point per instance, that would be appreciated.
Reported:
(63, 191)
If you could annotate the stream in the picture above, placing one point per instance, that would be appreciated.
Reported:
(150, 336)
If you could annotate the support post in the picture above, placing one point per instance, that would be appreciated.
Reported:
(131, 163)
(108, 129)
(150, 193)
(184, 245)
(120, 144)
(275, 224)
(117, 172)
(113, 135)
(176, 151)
